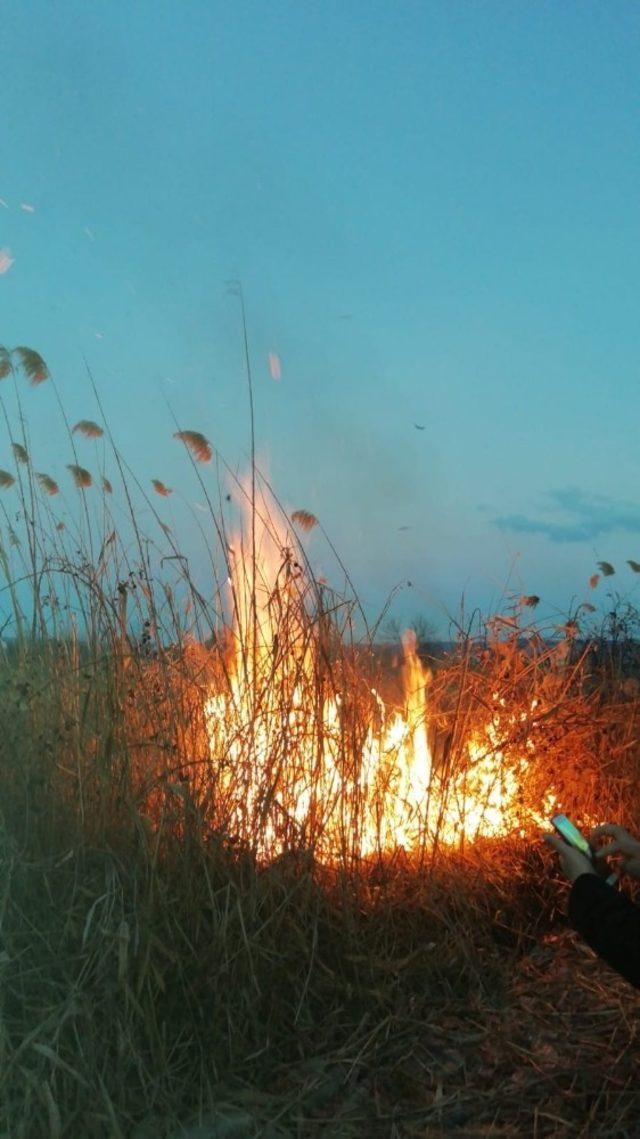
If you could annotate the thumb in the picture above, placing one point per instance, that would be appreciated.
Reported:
(557, 843)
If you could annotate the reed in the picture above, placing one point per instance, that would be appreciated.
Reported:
(184, 952)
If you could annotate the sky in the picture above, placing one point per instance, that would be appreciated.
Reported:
(433, 209)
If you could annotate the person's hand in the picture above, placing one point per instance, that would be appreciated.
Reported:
(573, 861)
(623, 844)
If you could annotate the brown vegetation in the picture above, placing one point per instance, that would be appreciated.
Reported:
(160, 975)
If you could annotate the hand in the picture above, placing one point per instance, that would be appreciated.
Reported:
(623, 844)
(573, 862)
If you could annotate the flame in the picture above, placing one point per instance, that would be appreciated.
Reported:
(305, 754)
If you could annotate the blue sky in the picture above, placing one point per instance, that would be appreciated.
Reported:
(433, 209)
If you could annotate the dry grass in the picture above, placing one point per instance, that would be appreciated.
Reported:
(158, 978)
(149, 986)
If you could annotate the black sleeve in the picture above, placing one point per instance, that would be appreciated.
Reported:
(609, 922)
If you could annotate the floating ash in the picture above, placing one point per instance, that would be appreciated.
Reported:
(6, 261)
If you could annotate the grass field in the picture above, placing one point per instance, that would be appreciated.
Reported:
(205, 925)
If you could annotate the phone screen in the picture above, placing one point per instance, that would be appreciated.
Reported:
(571, 834)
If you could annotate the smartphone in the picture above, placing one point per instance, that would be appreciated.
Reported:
(571, 834)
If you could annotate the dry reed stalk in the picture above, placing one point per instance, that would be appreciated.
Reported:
(150, 961)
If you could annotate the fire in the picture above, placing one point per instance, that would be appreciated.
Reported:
(306, 754)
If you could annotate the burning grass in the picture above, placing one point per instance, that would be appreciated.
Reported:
(251, 880)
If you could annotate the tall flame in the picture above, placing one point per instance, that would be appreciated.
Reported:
(306, 754)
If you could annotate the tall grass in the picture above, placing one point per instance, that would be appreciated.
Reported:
(155, 968)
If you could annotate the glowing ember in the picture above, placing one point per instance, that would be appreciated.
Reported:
(306, 755)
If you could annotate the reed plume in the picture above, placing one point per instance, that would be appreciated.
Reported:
(200, 447)
(88, 428)
(20, 452)
(32, 365)
(160, 488)
(81, 477)
(305, 519)
(47, 483)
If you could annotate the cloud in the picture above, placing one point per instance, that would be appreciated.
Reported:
(587, 516)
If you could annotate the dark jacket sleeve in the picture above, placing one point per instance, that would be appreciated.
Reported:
(609, 922)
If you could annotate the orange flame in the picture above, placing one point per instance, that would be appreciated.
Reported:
(297, 766)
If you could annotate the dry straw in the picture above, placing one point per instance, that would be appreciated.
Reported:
(157, 976)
